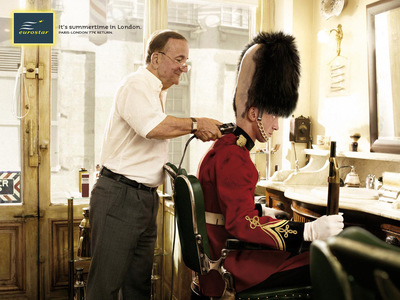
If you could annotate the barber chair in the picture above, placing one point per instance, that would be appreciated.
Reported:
(329, 280)
(373, 266)
(370, 268)
(190, 216)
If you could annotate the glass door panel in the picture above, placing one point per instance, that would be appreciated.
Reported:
(88, 74)
(72, 123)
(10, 129)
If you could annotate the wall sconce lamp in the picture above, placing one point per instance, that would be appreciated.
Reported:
(339, 37)
(323, 37)
(339, 66)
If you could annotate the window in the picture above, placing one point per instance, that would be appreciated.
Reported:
(87, 78)
(10, 115)
(216, 34)
(235, 17)
(182, 13)
(128, 14)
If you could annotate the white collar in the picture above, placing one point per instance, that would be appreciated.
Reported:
(156, 83)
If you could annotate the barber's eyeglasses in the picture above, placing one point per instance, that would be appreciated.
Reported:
(182, 65)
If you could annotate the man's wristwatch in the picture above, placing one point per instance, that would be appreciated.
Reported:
(194, 125)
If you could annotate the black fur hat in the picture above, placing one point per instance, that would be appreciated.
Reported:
(274, 88)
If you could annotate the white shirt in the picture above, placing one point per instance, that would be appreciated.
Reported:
(139, 106)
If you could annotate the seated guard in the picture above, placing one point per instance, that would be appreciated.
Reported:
(266, 89)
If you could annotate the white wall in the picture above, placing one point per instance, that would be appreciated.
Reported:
(295, 17)
(338, 117)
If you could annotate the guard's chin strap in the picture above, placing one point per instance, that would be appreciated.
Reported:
(261, 126)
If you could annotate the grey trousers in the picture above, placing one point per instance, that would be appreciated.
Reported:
(123, 231)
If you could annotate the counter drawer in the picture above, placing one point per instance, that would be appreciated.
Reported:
(392, 234)
(276, 199)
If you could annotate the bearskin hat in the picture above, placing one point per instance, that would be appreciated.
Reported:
(275, 83)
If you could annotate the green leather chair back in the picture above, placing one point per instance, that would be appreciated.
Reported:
(329, 280)
(190, 216)
(361, 235)
(364, 257)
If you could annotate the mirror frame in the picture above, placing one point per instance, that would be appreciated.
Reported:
(377, 144)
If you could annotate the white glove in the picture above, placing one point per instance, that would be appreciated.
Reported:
(323, 227)
(274, 213)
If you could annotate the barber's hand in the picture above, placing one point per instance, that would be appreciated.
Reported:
(323, 227)
(274, 213)
(207, 129)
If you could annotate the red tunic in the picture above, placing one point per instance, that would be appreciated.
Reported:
(228, 178)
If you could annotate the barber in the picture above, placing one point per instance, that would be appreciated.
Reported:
(124, 201)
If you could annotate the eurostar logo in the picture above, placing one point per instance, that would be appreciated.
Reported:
(29, 26)
(33, 28)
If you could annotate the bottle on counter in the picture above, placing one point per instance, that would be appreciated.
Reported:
(97, 172)
(79, 285)
(84, 235)
(81, 172)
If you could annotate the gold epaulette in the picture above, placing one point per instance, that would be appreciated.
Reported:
(241, 141)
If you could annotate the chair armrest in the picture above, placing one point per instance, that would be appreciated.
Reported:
(235, 244)
(171, 170)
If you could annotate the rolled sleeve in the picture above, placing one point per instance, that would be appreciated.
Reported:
(140, 107)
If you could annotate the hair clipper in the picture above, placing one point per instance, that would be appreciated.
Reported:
(227, 128)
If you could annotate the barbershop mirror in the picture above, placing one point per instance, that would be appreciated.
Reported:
(383, 25)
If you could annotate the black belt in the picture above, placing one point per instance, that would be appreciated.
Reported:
(118, 177)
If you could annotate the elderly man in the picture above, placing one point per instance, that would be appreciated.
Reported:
(124, 201)
(267, 88)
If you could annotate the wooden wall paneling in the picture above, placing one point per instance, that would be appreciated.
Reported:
(59, 255)
(173, 261)
(12, 262)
